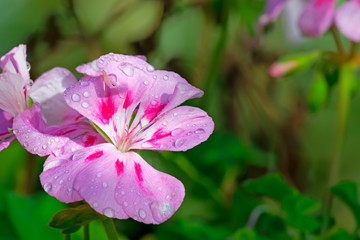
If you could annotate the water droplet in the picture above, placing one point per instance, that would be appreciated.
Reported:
(189, 133)
(109, 212)
(146, 82)
(175, 114)
(56, 177)
(35, 149)
(175, 75)
(127, 69)
(26, 136)
(99, 175)
(105, 185)
(95, 204)
(122, 193)
(177, 132)
(153, 102)
(165, 123)
(56, 139)
(44, 147)
(166, 77)
(150, 68)
(61, 181)
(28, 66)
(75, 97)
(125, 204)
(199, 131)
(179, 142)
(154, 77)
(161, 211)
(142, 213)
(84, 104)
(47, 187)
(26, 144)
(31, 82)
(84, 83)
(78, 155)
(16, 131)
(86, 94)
(69, 189)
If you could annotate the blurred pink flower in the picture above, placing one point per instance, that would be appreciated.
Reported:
(280, 69)
(273, 9)
(134, 107)
(347, 19)
(317, 17)
(15, 90)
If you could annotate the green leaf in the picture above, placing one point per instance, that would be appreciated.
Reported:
(297, 209)
(272, 185)
(29, 216)
(71, 218)
(246, 234)
(347, 192)
(290, 65)
(336, 233)
(318, 93)
(272, 227)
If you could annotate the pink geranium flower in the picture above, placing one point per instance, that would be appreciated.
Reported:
(134, 107)
(317, 17)
(16, 89)
(347, 19)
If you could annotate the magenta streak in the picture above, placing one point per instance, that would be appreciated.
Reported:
(138, 171)
(152, 111)
(89, 140)
(66, 132)
(128, 100)
(107, 110)
(94, 156)
(159, 134)
(2, 134)
(119, 166)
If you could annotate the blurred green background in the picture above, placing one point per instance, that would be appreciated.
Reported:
(262, 124)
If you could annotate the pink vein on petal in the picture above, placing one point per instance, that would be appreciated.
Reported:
(119, 166)
(94, 156)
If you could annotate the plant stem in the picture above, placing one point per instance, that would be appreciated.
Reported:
(86, 233)
(30, 173)
(352, 49)
(337, 41)
(344, 100)
(110, 229)
(67, 236)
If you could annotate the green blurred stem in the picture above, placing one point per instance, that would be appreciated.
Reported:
(86, 232)
(343, 108)
(352, 49)
(337, 40)
(67, 236)
(110, 229)
(30, 173)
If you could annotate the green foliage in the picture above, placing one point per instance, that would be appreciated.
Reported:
(318, 93)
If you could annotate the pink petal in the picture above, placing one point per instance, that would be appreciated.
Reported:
(31, 131)
(272, 11)
(177, 130)
(15, 62)
(48, 91)
(347, 19)
(144, 91)
(116, 184)
(12, 95)
(97, 102)
(6, 137)
(317, 17)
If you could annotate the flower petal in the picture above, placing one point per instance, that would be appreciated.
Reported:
(317, 17)
(146, 93)
(347, 19)
(31, 131)
(272, 11)
(97, 102)
(116, 184)
(15, 62)
(177, 130)
(6, 137)
(12, 95)
(48, 91)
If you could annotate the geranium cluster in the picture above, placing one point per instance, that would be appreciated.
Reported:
(91, 129)
(318, 16)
